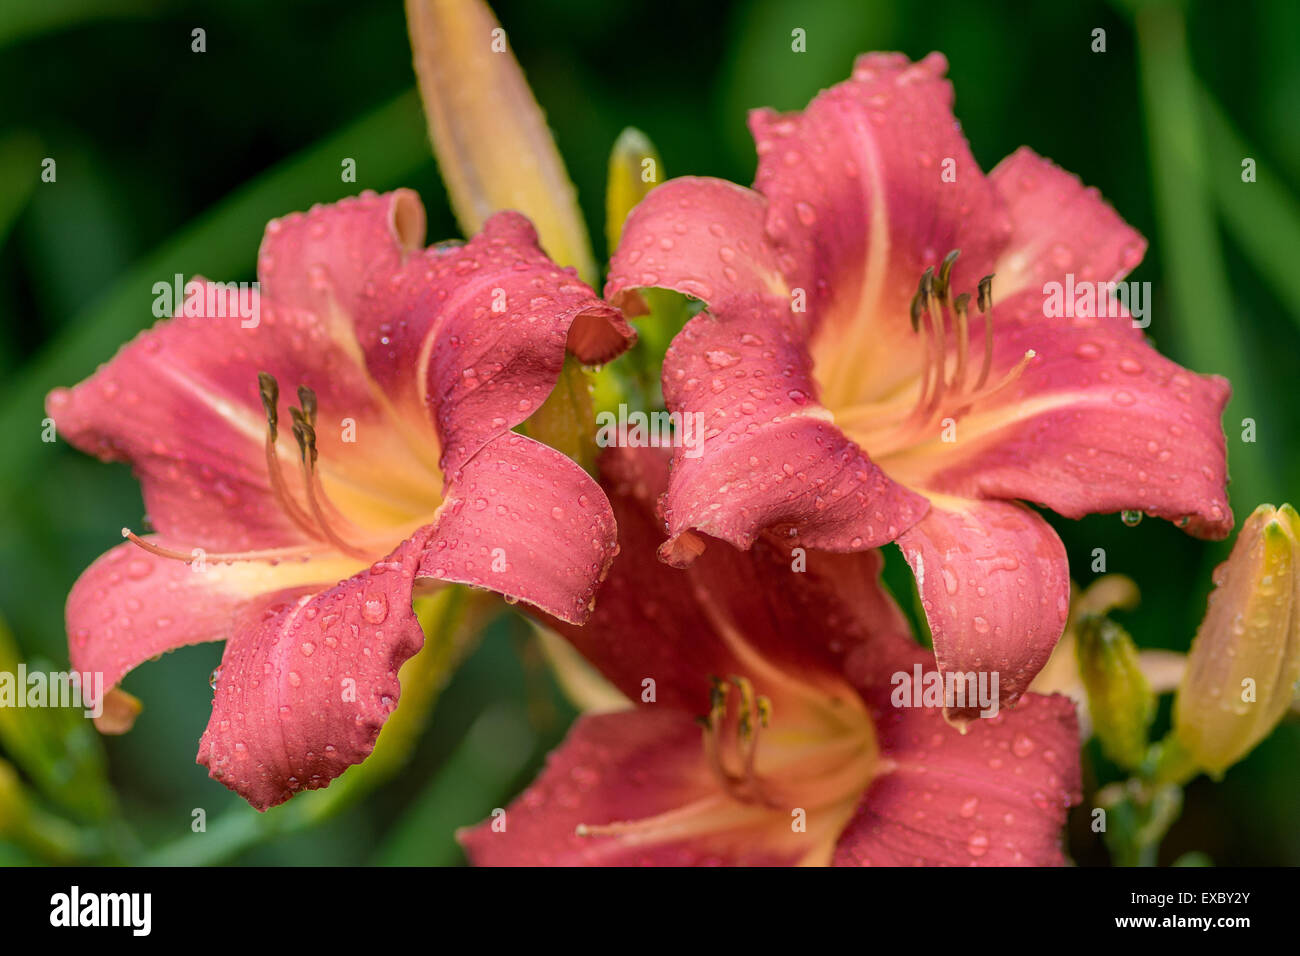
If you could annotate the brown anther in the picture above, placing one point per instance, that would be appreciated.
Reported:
(936, 353)
(942, 284)
(269, 389)
(921, 300)
(305, 433)
(717, 699)
(985, 300)
(746, 721)
(310, 432)
(299, 435)
(307, 399)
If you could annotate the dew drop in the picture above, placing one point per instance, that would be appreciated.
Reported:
(375, 610)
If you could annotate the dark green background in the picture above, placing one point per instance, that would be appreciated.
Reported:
(171, 161)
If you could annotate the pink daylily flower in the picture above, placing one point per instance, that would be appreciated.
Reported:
(300, 543)
(859, 385)
(803, 758)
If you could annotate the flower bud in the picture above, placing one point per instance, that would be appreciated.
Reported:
(1119, 698)
(633, 172)
(493, 146)
(1245, 660)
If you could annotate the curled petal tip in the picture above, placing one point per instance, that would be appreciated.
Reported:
(120, 712)
(682, 550)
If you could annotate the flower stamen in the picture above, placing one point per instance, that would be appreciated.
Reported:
(941, 395)
(315, 525)
(753, 713)
(304, 430)
(985, 304)
(269, 389)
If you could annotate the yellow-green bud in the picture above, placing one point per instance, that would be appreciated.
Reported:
(1119, 698)
(1245, 660)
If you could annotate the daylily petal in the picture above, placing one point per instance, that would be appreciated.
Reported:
(308, 679)
(664, 246)
(731, 613)
(995, 585)
(996, 796)
(1059, 226)
(321, 260)
(769, 453)
(477, 333)
(646, 623)
(639, 781)
(131, 606)
(860, 200)
(625, 767)
(527, 522)
(181, 404)
(1099, 421)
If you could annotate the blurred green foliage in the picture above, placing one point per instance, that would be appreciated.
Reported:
(171, 161)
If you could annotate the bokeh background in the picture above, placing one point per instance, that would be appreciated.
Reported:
(171, 161)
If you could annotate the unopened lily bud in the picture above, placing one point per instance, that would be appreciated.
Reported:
(633, 172)
(1119, 698)
(493, 146)
(1245, 660)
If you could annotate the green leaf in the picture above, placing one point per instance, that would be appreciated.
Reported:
(20, 171)
(1262, 217)
(23, 19)
(468, 789)
(1206, 333)
(56, 747)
